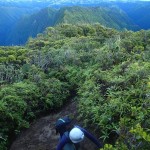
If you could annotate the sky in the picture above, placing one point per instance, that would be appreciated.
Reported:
(70, 0)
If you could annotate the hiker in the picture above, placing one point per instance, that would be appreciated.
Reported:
(70, 139)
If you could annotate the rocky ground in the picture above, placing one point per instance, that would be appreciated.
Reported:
(41, 134)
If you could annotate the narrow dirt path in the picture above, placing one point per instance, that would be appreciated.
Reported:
(41, 134)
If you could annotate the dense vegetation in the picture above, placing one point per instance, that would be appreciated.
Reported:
(109, 72)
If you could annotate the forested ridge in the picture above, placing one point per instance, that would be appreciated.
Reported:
(21, 20)
(31, 25)
(9, 16)
(107, 72)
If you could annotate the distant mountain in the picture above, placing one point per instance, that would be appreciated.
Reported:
(11, 11)
(8, 17)
(18, 23)
(72, 1)
(138, 12)
(112, 17)
(25, 3)
(31, 25)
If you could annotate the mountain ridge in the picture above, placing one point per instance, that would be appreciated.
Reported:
(111, 17)
(9, 16)
(122, 15)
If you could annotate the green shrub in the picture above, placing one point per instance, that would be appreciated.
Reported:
(53, 93)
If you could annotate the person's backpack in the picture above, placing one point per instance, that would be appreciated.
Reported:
(69, 145)
(61, 125)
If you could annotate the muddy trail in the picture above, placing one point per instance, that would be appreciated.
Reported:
(42, 136)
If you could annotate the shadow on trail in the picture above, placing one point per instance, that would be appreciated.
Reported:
(42, 136)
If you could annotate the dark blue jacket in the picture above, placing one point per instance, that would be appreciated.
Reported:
(65, 139)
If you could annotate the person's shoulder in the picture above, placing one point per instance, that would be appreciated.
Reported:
(63, 140)
(79, 127)
(65, 136)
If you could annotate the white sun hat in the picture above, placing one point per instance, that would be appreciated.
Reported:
(76, 135)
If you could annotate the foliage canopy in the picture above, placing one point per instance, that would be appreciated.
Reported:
(108, 71)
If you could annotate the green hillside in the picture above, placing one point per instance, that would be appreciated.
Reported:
(8, 17)
(112, 17)
(106, 71)
(31, 25)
